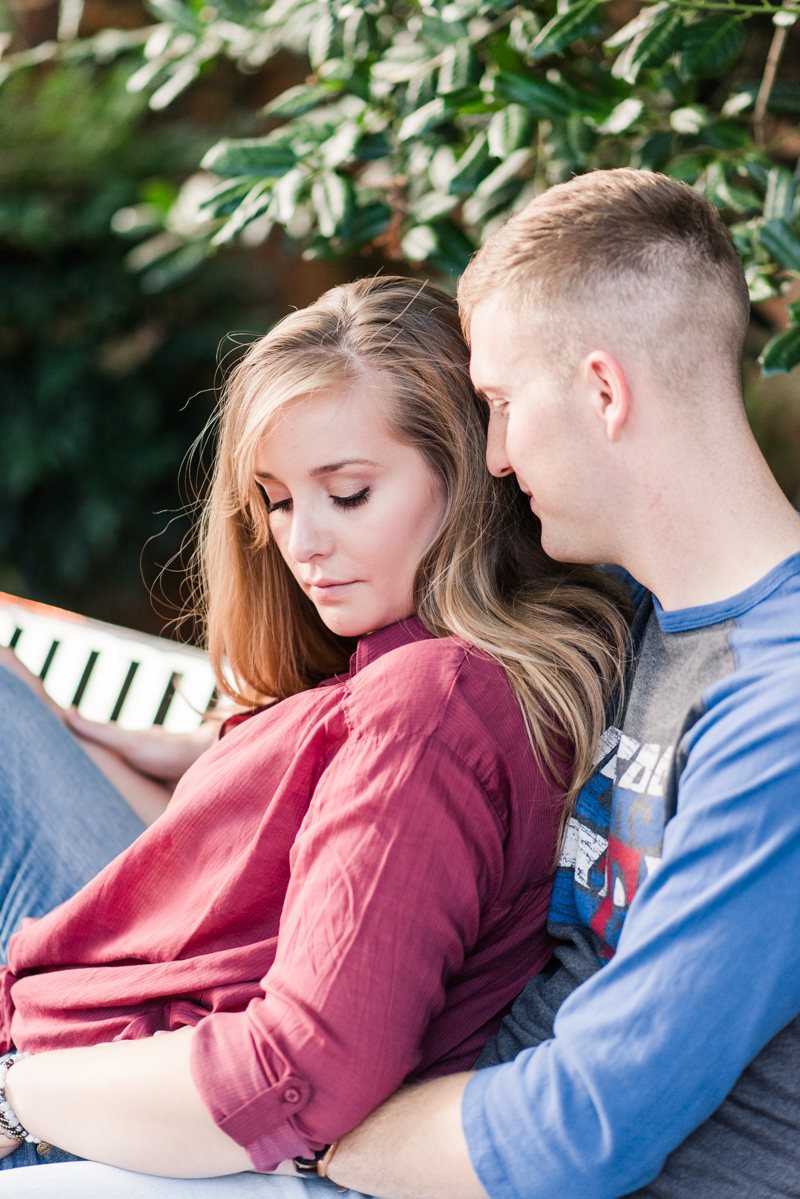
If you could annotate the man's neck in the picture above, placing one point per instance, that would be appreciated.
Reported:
(723, 525)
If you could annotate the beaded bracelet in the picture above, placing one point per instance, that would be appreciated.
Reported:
(9, 1121)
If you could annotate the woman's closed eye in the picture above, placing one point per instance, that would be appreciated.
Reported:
(351, 501)
(340, 501)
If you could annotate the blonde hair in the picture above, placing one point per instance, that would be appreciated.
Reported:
(558, 631)
(640, 256)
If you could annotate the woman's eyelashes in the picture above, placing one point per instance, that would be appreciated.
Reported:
(351, 501)
(340, 501)
(275, 505)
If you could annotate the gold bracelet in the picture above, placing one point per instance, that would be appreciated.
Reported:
(324, 1162)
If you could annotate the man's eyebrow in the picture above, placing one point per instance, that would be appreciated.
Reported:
(330, 468)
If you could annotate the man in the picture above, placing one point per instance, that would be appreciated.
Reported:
(606, 323)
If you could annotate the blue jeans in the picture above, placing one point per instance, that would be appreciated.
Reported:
(62, 822)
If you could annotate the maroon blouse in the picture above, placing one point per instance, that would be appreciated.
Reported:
(345, 891)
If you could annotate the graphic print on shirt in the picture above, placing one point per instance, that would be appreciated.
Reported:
(613, 840)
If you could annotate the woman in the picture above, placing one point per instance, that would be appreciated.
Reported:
(350, 886)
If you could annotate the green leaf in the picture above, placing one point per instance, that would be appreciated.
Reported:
(332, 197)
(522, 33)
(226, 197)
(539, 97)
(781, 189)
(758, 284)
(368, 223)
(453, 250)
(460, 68)
(356, 36)
(622, 117)
(320, 44)
(420, 91)
(651, 48)
(782, 243)
(497, 188)
(301, 99)
(341, 146)
(565, 28)
(509, 129)
(419, 243)
(174, 268)
(717, 188)
(724, 135)
(254, 205)
(436, 112)
(433, 205)
(784, 97)
(468, 99)
(640, 24)
(471, 167)
(782, 353)
(286, 195)
(711, 46)
(250, 156)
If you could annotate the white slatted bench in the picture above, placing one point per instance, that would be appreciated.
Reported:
(110, 673)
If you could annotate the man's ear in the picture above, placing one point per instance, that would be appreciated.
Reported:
(609, 391)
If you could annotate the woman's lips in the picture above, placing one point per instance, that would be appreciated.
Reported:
(327, 591)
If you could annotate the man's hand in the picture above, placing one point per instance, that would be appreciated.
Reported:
(413, 1147)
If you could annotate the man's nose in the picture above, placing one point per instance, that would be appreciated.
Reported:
(496, 457)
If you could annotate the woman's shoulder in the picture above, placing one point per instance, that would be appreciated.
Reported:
(440, 686)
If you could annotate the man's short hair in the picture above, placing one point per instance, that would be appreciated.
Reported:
(637, 256)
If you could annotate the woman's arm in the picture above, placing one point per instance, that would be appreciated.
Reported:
(152, 752)
(384, 899)
(131, 1104)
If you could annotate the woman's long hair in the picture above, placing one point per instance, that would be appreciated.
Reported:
(558, 631)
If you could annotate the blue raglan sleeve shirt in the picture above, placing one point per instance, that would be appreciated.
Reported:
(706, 972)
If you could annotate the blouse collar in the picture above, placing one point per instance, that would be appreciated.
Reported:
(382, 641)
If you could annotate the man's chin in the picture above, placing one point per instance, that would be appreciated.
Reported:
(561, 547)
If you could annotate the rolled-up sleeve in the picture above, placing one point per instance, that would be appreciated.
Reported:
(397, 857)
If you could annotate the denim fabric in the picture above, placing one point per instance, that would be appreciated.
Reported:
(26, 1155)
(62, 822)
(88, 1180)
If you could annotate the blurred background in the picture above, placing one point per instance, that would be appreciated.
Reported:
(118, 315)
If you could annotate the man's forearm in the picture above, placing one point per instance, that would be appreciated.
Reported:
(412, 1147)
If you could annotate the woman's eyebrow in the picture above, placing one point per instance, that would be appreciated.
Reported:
(329, 469)
(332, 467)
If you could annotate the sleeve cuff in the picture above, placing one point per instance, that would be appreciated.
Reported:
(482, 1153)
(250, 1100)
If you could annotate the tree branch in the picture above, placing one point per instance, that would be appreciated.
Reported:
(770, 71)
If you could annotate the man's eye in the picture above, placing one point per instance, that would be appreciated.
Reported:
(351, 501)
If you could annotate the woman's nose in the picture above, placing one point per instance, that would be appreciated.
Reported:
(308, 539)
(496, 458)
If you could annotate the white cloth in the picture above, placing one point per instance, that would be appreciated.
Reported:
(90, 1180)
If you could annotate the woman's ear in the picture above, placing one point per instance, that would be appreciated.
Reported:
(609, 391)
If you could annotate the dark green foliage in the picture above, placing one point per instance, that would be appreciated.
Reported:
(432, 123)
(97, 375)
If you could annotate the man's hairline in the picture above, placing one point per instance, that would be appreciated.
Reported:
(512, 299)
